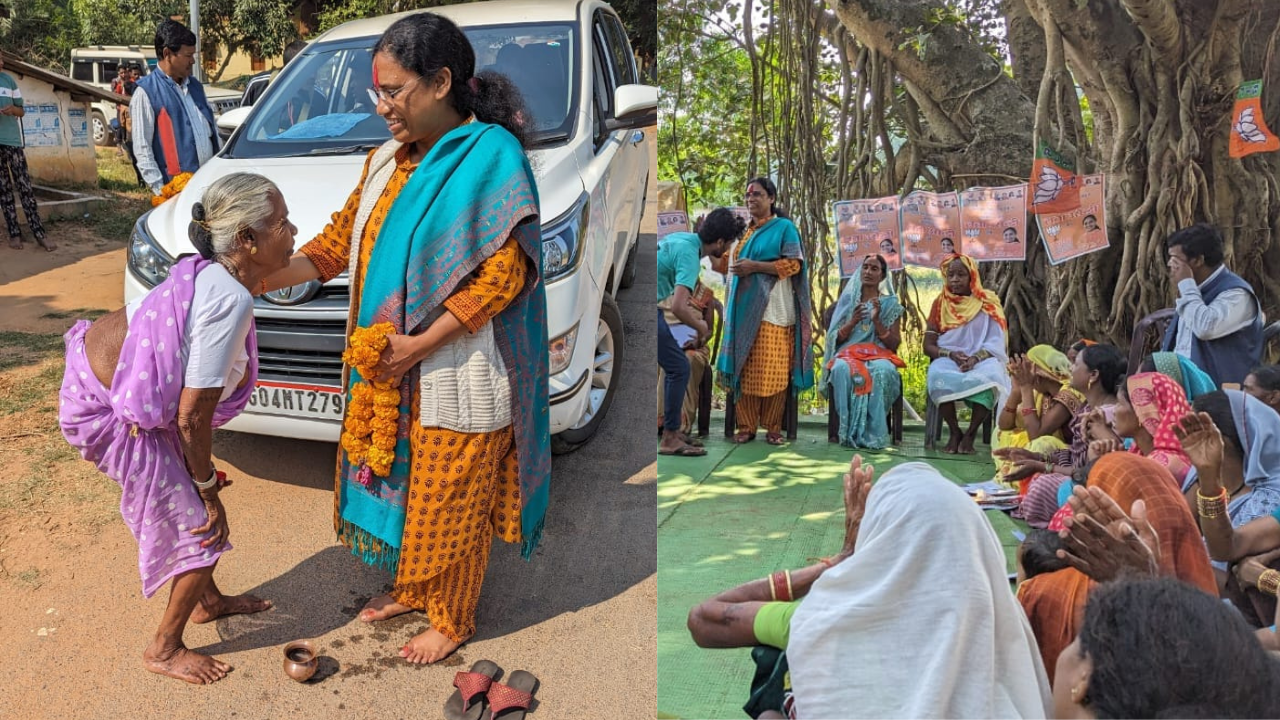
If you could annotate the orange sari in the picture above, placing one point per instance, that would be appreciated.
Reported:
(1055, 602)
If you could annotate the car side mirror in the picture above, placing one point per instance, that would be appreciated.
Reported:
(635, 106)
(231, 119)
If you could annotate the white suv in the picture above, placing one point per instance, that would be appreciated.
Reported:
(575, 68)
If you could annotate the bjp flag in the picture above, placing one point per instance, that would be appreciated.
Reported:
(1249, 133)
(1054, 185)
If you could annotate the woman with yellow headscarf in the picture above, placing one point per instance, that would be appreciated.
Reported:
(966, 340)
(1040, 408)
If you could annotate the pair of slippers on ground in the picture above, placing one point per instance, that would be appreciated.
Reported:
(479, 695)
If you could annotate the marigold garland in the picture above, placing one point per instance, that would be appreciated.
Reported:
(369, 432)
(171, 190)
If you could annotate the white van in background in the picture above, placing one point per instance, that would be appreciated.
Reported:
(97, 66)
(573, 63)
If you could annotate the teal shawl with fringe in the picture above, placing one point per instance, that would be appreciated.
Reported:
(472, 191)
(748, 298)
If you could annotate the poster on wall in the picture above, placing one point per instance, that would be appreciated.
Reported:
(672, 221)
(867, 227)
(78, 124)
(993, 223)
(1080, 231)
(742, 212)
(930, 227)
(42, 126)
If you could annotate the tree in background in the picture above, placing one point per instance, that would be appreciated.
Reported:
(863, 98)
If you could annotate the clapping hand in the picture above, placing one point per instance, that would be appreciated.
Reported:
(1201, 441)
(857, 485)
(1022, 371)
(1098, 448)
(1103, 542)
(859, 314)
(1248, 570)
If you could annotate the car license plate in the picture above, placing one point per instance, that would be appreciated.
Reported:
(301, 401)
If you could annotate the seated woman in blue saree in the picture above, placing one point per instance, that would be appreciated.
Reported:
(861, 377)
(766, 351)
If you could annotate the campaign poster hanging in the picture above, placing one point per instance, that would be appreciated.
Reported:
(1080, 231)
(672, 221)
(867, 227)
(930, 225)
(993, 223)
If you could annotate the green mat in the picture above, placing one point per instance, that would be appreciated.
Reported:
(743, 511)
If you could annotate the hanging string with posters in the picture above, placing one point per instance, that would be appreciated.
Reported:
(1080, 231)
(993, 223)
(672, 221)
(867, 227)
(930, 224)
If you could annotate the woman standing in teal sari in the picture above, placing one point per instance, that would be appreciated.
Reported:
(861, 374)
(442, 241)
(767, 349)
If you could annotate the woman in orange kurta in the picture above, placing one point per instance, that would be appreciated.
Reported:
(766, 347)
(461, 487)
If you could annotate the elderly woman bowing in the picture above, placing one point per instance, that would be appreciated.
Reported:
(146, 385)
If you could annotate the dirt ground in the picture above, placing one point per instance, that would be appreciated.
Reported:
(580, 616)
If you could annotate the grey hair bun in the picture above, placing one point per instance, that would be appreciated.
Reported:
(199, 233)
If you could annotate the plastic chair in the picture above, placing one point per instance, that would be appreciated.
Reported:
(933, 425)
(1140, 345)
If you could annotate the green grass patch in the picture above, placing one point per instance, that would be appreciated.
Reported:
(19, 349)
(77, 314)
(29, 578)
(37, 393)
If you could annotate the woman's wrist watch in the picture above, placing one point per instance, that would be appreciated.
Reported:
(211, 482)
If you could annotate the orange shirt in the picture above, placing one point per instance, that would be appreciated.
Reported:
(492, 287)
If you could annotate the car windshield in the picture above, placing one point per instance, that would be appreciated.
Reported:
(324, 103)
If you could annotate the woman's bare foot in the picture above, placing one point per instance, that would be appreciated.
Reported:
(228, 605)
(47, 244)
(382, 607)
(183, 664)
(15, 242)
(428, 647)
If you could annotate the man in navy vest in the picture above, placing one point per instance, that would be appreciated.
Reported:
(173, 127)
(1218, 324)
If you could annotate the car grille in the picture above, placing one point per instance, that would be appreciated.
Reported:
(222, 105)
(304, 344)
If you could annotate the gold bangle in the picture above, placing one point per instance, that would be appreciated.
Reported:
(1211, 507)
(1269, 582)
(792, 596)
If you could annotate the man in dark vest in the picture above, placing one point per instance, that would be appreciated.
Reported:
(1218, 324)
(173, 127)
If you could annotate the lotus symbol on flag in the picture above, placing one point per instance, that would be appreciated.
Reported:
(1052, 230)
(1049, 185)
(1247, 129)
(972, 232)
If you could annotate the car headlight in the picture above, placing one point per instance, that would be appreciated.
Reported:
(562, 240)
(147, 261)
(562, 350)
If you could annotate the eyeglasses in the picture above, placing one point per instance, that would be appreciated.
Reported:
(389, 96)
